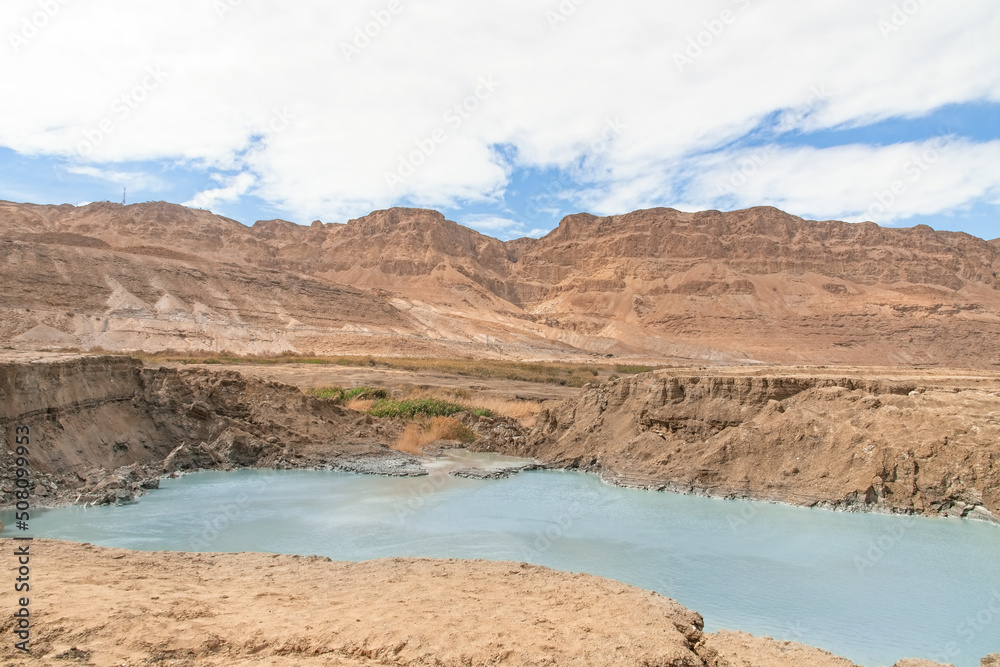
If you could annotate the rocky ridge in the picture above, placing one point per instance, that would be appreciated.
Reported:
(719, 287)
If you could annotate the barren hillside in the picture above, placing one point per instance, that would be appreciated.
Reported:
(753, 285)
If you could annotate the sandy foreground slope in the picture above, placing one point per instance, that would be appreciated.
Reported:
(99, 606)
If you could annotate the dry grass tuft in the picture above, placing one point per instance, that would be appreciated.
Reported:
(417, 436)
(361, 404)
(562, 373)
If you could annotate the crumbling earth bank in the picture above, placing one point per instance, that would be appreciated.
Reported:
(929, 445)
(104, 429)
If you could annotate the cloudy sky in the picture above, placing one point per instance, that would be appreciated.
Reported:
(508, 115)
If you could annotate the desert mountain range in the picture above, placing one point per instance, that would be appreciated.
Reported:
(754, 285)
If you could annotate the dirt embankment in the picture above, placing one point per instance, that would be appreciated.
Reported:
(104, 429)
(106, 607)
(916, 443)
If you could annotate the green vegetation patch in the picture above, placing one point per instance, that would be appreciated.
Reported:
(632, 369)
(411, 408)
(566, 374)
(341, 395)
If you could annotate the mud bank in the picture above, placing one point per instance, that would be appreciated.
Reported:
(922, 444)
(104, 429)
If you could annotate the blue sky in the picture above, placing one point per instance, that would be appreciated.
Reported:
(510, 116)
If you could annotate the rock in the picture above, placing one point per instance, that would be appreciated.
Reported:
(871, 402)
(199, 410)
(992, 660)
(393, 465)
(171, 463)
(957, 509)
(486, 473)
(123, 497)
(108, 484)
(739, 649)
(914, 662)
(980, 513)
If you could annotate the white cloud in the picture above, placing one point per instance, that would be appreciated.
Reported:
(206, 97)
(233, 188)
(884, 184)
(136, 179)
(499, 227)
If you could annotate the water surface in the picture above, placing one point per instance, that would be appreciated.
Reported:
(871, 588)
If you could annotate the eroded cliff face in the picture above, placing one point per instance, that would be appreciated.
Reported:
(103, 428)
(914, 444)
(92, 415)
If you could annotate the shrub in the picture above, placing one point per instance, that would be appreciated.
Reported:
(342, 395)
(420, 407)
(632, 369)
(416, 437)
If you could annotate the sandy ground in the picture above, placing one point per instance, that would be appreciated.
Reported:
(103, 607)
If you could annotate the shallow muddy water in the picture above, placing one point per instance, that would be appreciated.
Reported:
(871, 588)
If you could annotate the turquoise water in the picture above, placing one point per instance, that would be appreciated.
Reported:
(871, 588)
